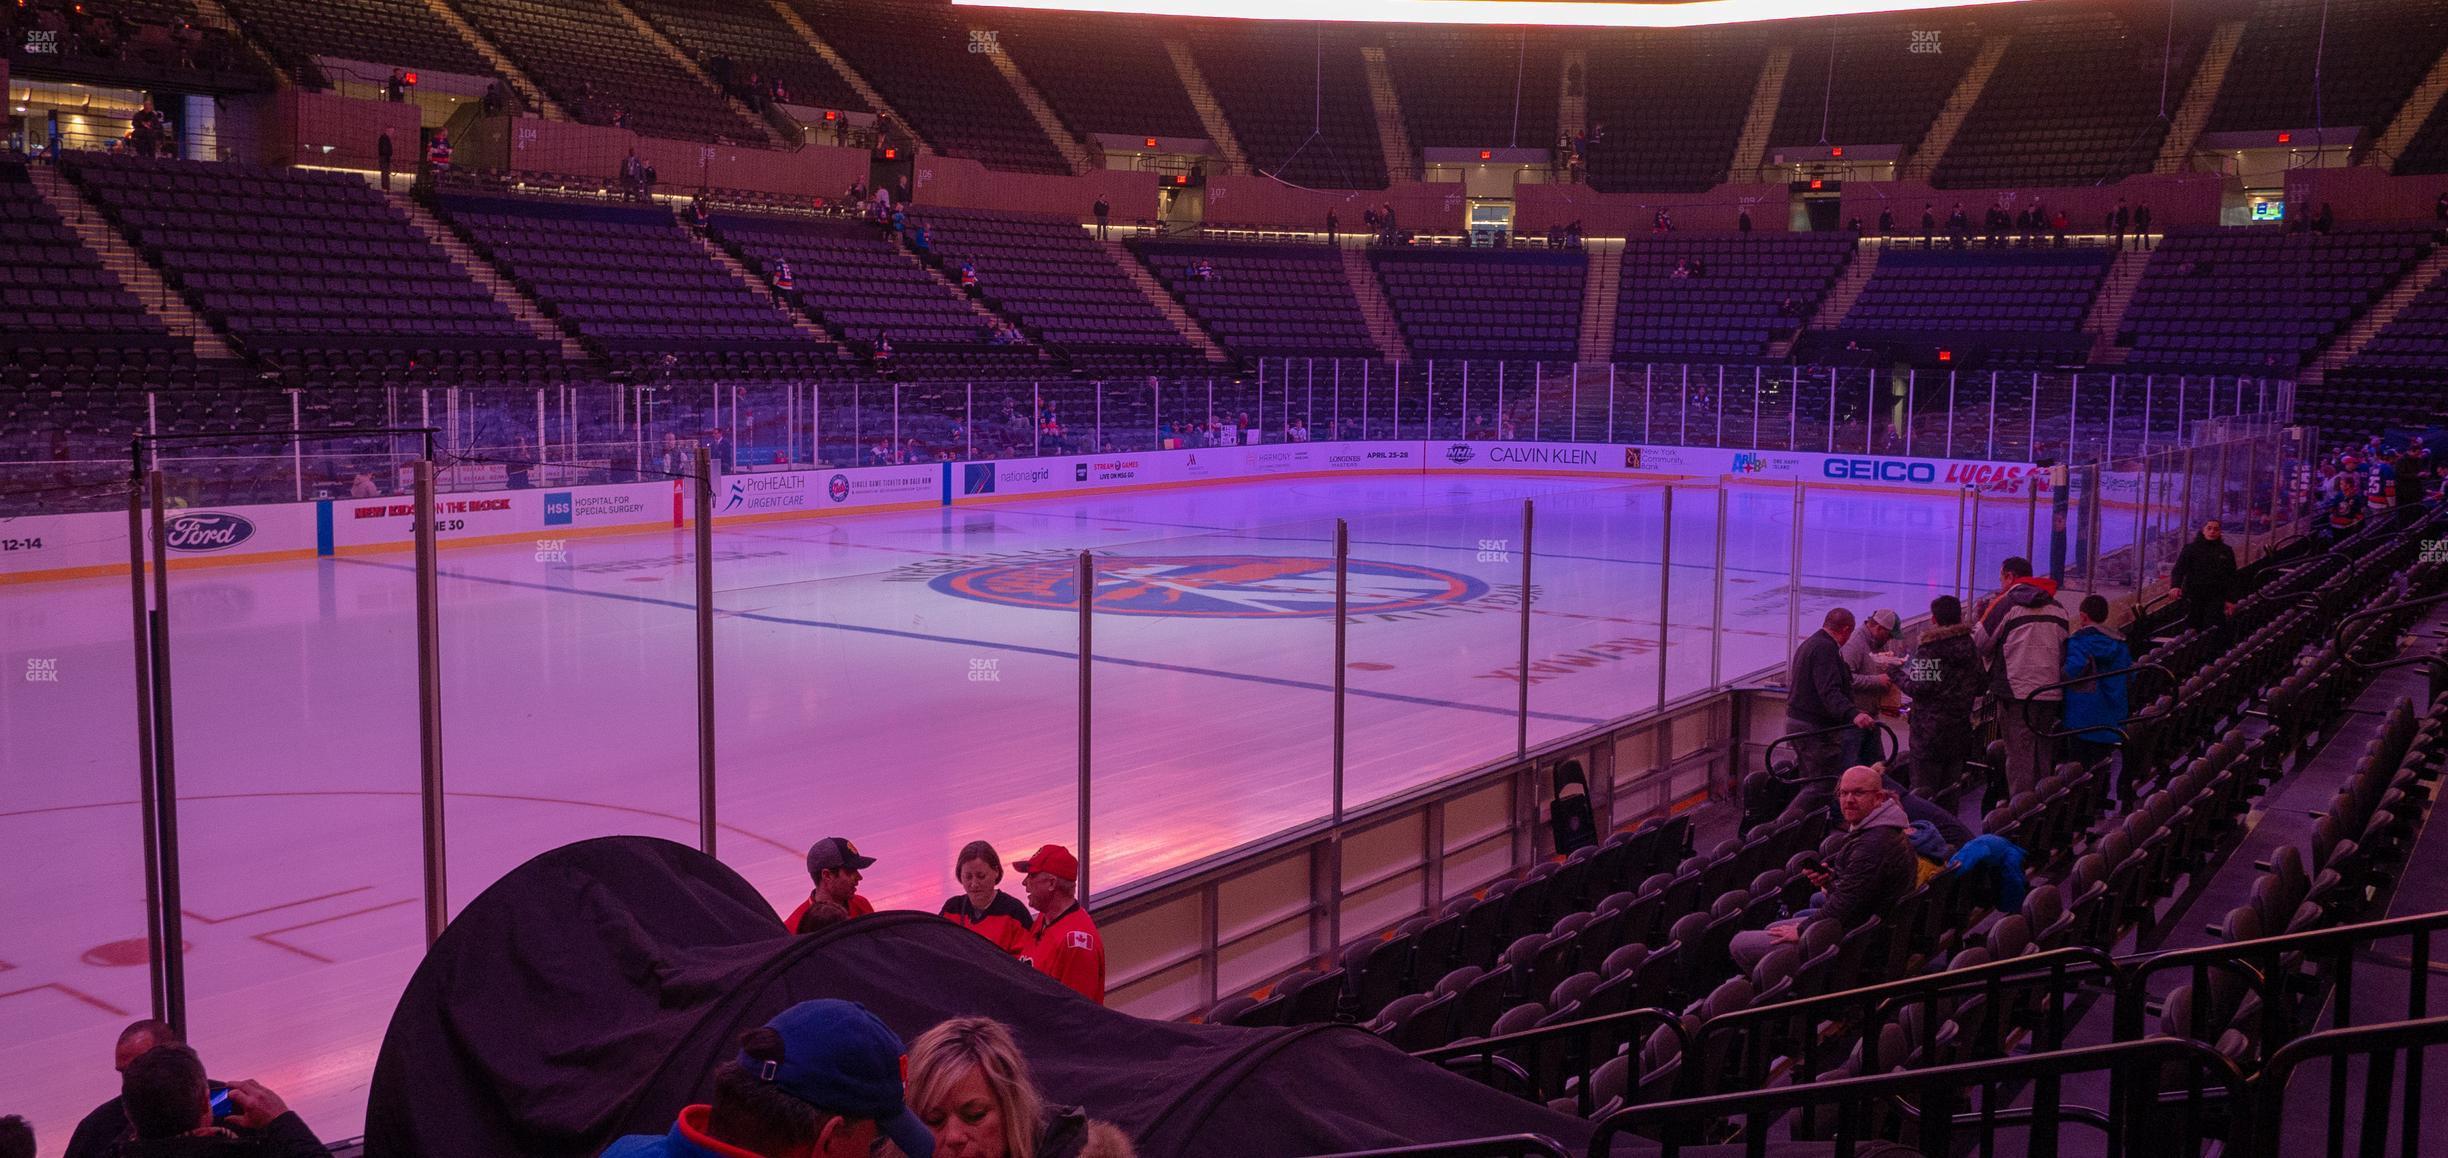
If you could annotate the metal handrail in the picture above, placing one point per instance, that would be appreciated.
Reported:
(1937, 1085)
(2438, 662)
(2024, 703)
(2339, 942)
(2337, 1046)
(1487, 1052)
(1888, 746)
(1497, 1146)
(2056, 966)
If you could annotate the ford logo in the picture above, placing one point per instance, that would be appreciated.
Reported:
(208, 531)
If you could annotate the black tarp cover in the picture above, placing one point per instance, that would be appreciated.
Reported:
(591, 992)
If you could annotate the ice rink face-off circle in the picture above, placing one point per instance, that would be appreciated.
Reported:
(1214, 586)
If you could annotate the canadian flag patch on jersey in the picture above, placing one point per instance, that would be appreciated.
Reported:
(1078, 940)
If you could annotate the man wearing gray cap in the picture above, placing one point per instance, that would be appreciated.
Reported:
(833, 866)
(1868, 661)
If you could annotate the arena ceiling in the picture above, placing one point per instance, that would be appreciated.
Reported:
(1561, 13)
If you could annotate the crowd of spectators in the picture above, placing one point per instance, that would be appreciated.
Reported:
(824, 1077)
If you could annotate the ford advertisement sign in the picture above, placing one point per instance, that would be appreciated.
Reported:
(208, 531)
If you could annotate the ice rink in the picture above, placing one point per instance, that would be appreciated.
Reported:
(908, 680)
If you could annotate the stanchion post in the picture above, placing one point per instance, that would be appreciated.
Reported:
(429, 706)
(1334, 833)
(165, 771)
(1342, 643)
(141, 634)
(1793, 590)
(1087, 658)
(1972, 561)
(1521, 709)
(1665, 585)
(2031, 515)
(1962, 587)
(703, 519)
(1717, 595)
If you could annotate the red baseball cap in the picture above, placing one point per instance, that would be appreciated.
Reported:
(1052, 858)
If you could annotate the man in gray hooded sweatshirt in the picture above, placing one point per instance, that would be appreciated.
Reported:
(1870, 870)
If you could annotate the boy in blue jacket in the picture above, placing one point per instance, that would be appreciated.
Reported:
(2094, 707)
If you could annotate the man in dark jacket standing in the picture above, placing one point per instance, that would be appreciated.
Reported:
(1869, 871)
(1820, 700)
(2205, 578)
(1944, 680)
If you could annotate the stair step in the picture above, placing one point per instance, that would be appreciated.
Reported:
(1601, 292)
(1402, 164)
(504, 290)
(1074, 153)
(1203, 101)
(1384, 330)
(531, 93)
(1164, 301)
(652, 35)
(858, 83)
(2185, 127)
(1933, 147)
(123, 262)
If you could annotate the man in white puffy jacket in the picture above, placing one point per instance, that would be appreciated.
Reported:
(2022, 637)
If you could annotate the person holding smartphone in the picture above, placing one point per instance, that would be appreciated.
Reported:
(173, 1113)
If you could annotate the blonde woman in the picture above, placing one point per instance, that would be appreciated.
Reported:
(969, 1084)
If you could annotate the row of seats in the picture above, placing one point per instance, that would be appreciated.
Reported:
(1871, 82)
(2091, 883)
(924, 62)
(1512, 306)
(2075, 100)
(2309, 63)
(286, 260)
(1298, 100)
(1056, 281)
(1751, 290)
(633, 286)
(1266, 300)
(2258, 299)
(1671, 106)
(601, 68)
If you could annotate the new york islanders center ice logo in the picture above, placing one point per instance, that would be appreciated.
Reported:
(1213, 586)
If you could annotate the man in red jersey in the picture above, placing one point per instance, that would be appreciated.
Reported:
(833, 866)
(1069, 948)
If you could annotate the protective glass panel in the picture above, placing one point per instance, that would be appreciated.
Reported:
(1433, 658)
(1595, 610)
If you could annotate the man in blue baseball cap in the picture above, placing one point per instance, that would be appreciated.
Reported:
(821, 1080)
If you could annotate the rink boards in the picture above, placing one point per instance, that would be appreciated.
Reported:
(48, 547)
